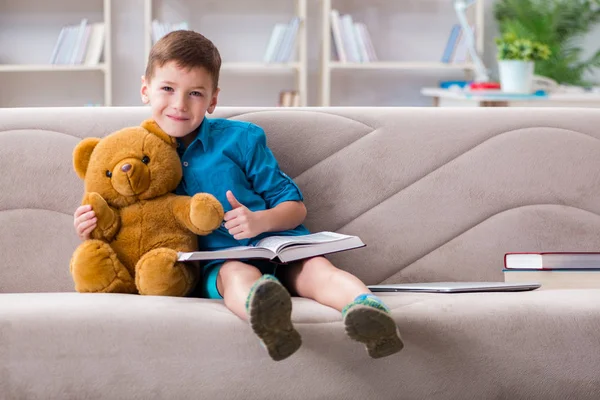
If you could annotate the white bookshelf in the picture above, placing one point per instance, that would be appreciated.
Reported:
(329, 67)
(236, 62)
(50, 67)
(398, 65)
(36, 24)
(261, 67)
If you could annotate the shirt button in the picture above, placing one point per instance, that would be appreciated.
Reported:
(185, 164)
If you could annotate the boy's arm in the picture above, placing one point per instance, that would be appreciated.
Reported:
(245, 224)
(285, 209)
(283, 216)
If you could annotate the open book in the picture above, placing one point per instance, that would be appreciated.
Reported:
(282, 248)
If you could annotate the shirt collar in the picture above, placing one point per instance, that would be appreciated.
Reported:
(201, 137)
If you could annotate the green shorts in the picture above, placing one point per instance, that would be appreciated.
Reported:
(207, 285)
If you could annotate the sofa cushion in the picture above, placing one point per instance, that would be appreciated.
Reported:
(533, 345)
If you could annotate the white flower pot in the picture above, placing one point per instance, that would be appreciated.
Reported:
(516, 76)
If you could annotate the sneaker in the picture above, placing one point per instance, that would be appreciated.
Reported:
(269, 309)
(374, 326)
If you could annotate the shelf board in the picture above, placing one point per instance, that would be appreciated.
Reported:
(399, 65)
(48, 67)
(259, 67)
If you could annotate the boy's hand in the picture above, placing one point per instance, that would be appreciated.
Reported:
(84, 221)
(241, 222)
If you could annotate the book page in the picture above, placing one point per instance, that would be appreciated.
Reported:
(277, 243)
(239, 252)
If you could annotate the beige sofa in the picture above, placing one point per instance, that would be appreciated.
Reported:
(437, 194)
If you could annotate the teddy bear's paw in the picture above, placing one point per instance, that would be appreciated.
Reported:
(206, 212)
(158, 273)
(96, 269)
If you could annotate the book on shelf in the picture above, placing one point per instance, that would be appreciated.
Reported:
(274, 44)
(351, 41)
(282, 248)
(557, 278)
(289, 98)
(79, 44)
(336, 32)
(552, 260)
(160, 29)
(282, 44)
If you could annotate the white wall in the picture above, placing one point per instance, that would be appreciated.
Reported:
(402, 30)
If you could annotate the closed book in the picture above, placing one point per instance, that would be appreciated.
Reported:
(338, 38)
(557, 278)
(288, 47)
(95, 45)
(349, 39)
(552, 260)
(277, 36)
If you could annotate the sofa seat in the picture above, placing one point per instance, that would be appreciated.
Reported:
(126, 346)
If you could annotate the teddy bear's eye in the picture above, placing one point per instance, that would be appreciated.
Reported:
(146, 159)
(109, 174)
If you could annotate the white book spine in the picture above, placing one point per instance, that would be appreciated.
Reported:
(281, 52)
(362, 48)
(368, 42)
(84, 45)
(65, 49)
(289, 52)
(336, 31)
(96, 44)
(350, 38)
(78, 41)
(59, 43)
(274, 42)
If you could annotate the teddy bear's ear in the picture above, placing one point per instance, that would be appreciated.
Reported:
(81, 155)
(151, 126)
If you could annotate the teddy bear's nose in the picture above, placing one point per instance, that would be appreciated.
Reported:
(125, 167)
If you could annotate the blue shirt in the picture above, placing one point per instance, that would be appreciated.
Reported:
(233, 155)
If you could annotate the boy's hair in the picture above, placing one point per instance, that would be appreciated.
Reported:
(188, 49)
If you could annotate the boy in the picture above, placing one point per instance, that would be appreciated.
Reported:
(230, 159)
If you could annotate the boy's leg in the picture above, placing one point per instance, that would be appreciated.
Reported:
(318, 279)
(262, 300)
(234, 281)
(366, 318)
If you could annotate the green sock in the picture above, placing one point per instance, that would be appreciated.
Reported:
(366, 299)
(265, 277)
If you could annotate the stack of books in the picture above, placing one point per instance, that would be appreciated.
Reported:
(283, 42)
(79, 44)
(554, 270)
(351, 40)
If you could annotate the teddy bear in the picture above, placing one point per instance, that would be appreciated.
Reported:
(129, 177)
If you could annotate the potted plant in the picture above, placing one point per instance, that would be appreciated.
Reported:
(516, 62)
(560, 24)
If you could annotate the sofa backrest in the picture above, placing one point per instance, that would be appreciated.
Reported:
(436, 194)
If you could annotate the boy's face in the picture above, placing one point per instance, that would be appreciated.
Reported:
(179, 97)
